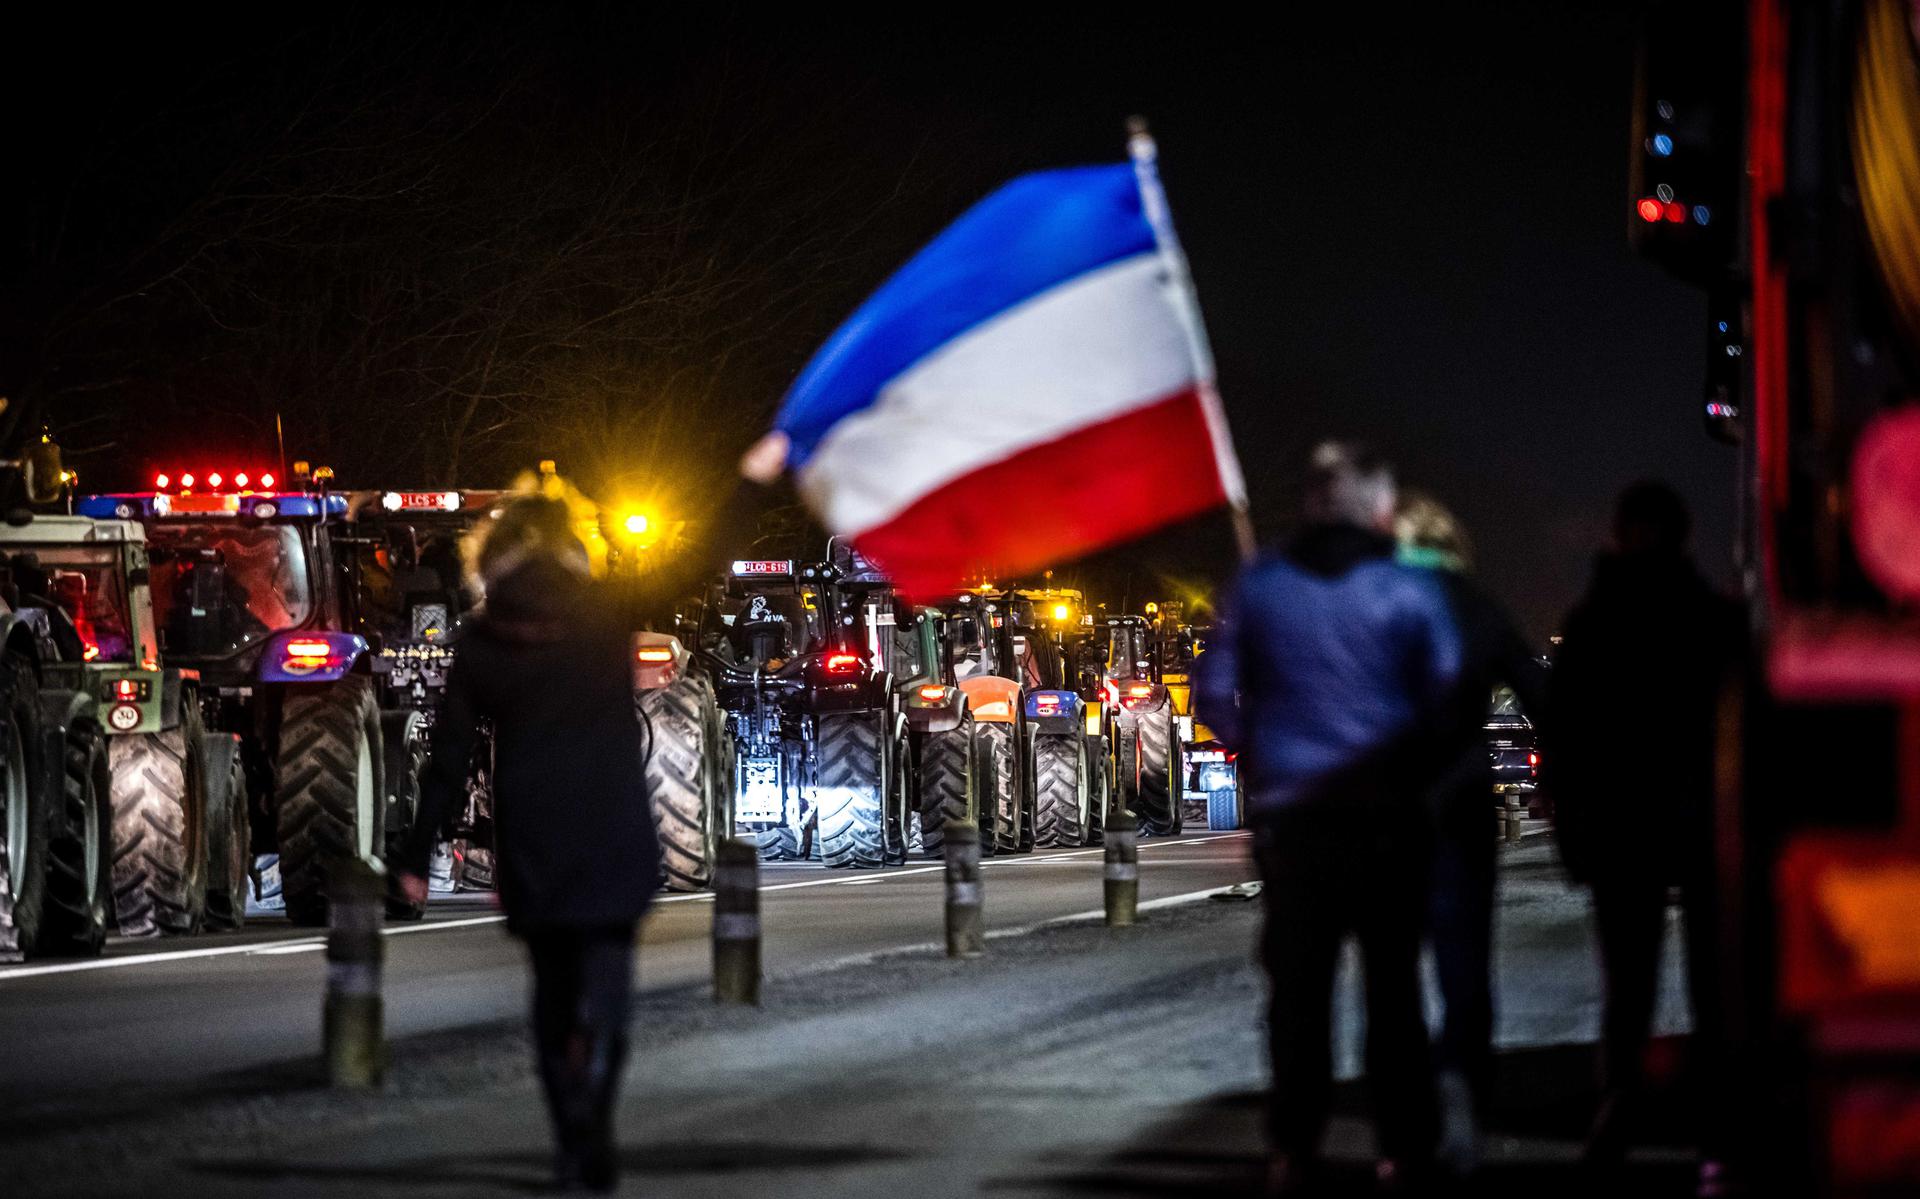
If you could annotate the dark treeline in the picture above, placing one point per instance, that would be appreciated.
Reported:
(434, 246)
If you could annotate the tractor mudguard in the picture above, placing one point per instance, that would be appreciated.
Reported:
(59, 710)
(311, 657)
(927, 714)
(994, 700)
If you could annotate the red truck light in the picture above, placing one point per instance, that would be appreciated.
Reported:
(653, 653)
(842, 663)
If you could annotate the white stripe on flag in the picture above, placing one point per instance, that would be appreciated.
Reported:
(1088, 350)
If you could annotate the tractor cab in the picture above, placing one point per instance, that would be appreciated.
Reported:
(232, 570)
(764, 613)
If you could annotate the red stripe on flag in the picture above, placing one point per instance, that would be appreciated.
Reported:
(1096, 486)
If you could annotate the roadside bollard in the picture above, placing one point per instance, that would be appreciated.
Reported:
(354, 1018)
(1123, 868)
(736, 923)
(1513, 814)
(966, 937)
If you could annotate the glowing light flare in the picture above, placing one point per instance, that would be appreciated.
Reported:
(266, 480)
(214, 479)
(308, 649)
(240, 480)
(933, 692)
(635, 523)
(1062, 612)
(842, 663)
(1675, 212)
(653, 653)
(160, 482)
(1650, 209)
(186, 480)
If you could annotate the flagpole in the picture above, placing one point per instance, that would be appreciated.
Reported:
(1145, 153)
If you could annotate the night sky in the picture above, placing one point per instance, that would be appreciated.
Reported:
(1408, 230)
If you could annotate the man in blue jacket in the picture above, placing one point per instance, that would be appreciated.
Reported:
(1331, 667)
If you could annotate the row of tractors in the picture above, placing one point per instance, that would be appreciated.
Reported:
(226, 682)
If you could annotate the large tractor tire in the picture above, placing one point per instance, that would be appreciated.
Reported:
(903, 816)
(850, 790)
(1223, 807)
(229, 833)
(679, 784)
(1002, 803)
(26, 815)
(79, 883)
(329, 780)
(404, 752)
(947, 784)
(160, 828)
(1061, 791)
(1158, 804)
(1100, 789)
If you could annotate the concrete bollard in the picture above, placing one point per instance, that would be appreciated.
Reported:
(1123, 868)
(966, 936)
(736, 923)
(1514, 810)
(353, 1020)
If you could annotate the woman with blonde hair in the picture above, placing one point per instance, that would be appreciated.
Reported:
(1460, 917)
(547, 662)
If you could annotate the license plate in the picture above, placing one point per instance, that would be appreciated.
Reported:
(760, 798)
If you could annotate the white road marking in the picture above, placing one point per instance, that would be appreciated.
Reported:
(309, 944)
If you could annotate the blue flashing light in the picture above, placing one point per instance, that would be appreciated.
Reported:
(1722, 326)
(148, 505)
(1701, 214)
(1661, 145)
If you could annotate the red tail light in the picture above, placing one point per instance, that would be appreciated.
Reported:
(933, 692)
(266, 480)
(213, 480)
(1533, 762)
(308, 649)
(653, 653)
(842, 663)
(1139, 690)
(126, 689)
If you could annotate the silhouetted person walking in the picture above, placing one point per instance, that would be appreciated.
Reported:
(1492, 655)
(1339, 658)
(548, 662)
(1628, 759)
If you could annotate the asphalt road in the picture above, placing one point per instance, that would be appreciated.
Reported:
(1072, 1060)
(157, 1019)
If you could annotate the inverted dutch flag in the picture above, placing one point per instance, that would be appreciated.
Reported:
(1033, 385)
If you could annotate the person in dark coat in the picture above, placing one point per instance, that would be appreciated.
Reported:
(1627, 756)
(1327, 672)
(548, 661)
(1493, 654)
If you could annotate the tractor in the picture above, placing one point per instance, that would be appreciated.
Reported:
(1069, 726)
(802, 670)
(175, 832)
(250, 592)
(1000, 659)
(1148, 743)
(1210, 773)
(55, 890)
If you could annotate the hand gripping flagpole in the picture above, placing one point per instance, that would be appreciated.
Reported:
(1145, 153)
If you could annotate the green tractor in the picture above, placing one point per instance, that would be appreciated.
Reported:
(176, 831)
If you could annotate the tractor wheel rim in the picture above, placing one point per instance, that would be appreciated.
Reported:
(16, 800)
(363, 797)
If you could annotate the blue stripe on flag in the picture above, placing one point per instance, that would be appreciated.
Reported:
(1035, 233)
